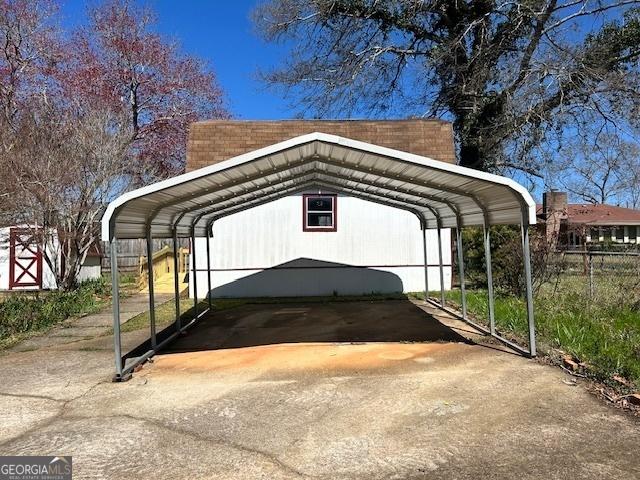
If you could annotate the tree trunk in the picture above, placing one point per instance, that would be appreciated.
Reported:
(470, 156)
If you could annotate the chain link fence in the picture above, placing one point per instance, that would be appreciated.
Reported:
(606, 274)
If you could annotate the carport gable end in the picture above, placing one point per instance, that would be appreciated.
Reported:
(318, 214)
(456, 191)
(323, 169)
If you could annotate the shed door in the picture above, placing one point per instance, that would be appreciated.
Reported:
(25, 259)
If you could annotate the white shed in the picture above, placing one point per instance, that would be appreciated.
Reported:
(23, 265)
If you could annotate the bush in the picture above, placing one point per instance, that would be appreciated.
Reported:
(507, 259)
(22, 314)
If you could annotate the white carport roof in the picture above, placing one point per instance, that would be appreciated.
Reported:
(440, 193)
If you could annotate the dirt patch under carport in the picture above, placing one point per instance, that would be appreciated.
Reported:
(291, 339)
(330, 322)
(337, 390)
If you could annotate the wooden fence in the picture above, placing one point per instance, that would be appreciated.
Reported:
(131, 251)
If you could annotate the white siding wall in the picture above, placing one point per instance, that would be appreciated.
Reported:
(387, 241)
(90, 269)
(4, 258)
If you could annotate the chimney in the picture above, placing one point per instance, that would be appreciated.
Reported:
(554, 206)
(554, 201)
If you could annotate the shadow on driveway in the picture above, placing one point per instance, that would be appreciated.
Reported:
(331, 322)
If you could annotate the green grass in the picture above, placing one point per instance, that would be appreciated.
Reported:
(128, 278)
(128, 284)
(24, 315)
(165, 315)
(604, 335)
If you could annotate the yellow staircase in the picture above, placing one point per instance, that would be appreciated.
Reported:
(163, 271)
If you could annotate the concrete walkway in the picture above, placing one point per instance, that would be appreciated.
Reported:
(90, 326)
(341, 404)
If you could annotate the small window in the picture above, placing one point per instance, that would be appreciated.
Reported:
(319, 213)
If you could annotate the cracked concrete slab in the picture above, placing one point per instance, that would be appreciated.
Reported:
(239, 398)
(59, 374)
(19, 413)
(106, 319)
(53, 339)
(140, 302)
(131, 448)
(77, 331)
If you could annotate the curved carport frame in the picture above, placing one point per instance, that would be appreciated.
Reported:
(441, 195)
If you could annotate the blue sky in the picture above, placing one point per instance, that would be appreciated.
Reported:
(222, 33)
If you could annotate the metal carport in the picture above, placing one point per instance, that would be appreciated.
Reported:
(440, 194)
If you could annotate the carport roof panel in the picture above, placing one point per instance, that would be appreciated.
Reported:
(434, 189)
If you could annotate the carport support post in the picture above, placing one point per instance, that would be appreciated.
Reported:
(208, 237)
(426, 265)
(152, 306)
(487, 256)
(442, 304)
(195, 280)
(463, 290)
(176, 280)
(115, 301)
(526, 257)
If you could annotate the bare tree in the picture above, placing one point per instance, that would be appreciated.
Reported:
(30, 46)
(87, 115)
(508, 74)
(599, 167)
(67, 165)
(632, 183)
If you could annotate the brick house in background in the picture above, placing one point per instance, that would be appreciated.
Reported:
(572, 225)
(213, 141)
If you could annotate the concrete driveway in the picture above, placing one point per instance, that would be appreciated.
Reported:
(330, 391)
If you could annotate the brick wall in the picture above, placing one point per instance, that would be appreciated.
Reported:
(217, 140)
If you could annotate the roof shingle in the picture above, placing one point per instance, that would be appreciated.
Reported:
(213, 141)
(604, 215)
